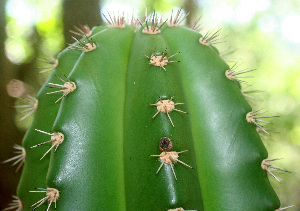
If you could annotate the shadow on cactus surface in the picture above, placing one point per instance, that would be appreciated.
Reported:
(145, 114)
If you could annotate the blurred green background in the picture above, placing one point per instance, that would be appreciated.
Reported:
(265, 35)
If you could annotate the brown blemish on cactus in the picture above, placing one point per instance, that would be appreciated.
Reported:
(19, 158)
(211, 38)
(67, 88)
(166, 106)
(161, 60)
(15, 204)
(265, 166)
(52, 196)
(165, 144)
(85, 47)
(115, 21)
(177, 18)
(29, 108)
(53, 64)
(82, 31)
(252, 117)
(170, 158)
(56, 140)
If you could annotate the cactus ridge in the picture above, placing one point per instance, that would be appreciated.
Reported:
(101, 158)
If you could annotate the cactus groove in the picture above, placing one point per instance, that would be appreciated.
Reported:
(122, 94)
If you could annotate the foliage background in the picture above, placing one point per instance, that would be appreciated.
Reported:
(265, 34)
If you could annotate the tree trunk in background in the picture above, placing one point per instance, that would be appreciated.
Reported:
(80, 12)
(9, 134)
(191, 7)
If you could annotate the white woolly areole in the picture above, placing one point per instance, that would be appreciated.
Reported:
(57, 138)
(69, 87)
(89, 47)
(250, 118)
(264, 165)
(56, 62)
(159, 61)
(165, 106)
(169, 157)
(229, 75)
(147, 31)
(204, 42)
(35, 105)
(52, 194)
(177, 209)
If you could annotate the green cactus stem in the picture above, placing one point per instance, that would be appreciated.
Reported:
(145, 115)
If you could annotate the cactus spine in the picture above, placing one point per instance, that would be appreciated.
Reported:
(125, 88)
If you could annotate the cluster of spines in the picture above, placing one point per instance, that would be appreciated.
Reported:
(115, 21)
(197, 25)
(84, 46)
(19, 158)
(52, 196)
(66, 88)
(51, 64)
(82, 31)
(167, 156)
(166, 106)
(163, 106)
(15, 204)
(29, 108)
(150, 24)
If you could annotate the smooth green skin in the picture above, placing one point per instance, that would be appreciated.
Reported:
(104, 162)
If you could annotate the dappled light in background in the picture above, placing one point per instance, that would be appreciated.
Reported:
(243, 12)
(265, 34)
(288, 28)
(25, 18)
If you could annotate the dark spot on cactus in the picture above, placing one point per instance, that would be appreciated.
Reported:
(165, 144)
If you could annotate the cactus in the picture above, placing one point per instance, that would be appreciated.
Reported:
(145, 115)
